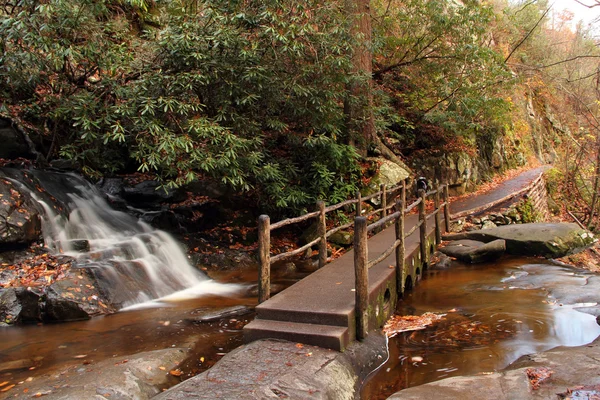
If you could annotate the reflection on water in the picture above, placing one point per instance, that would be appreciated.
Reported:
(495, 314)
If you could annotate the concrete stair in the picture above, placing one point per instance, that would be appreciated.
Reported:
(332, 337)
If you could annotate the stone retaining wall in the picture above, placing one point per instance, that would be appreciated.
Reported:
(532, 206)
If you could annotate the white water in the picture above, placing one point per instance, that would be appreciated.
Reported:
(139, 263)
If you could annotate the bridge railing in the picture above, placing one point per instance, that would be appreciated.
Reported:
(265, 228)
(361, 253)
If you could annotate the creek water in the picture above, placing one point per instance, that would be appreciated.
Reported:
(494, 314)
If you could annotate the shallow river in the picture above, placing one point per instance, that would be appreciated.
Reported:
(495, 313)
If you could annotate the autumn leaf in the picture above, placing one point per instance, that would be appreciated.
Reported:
(175, 372)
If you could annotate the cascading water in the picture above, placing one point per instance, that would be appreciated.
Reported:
(135, 262)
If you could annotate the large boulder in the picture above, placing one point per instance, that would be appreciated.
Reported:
(20, 222)
(389, 174)
(472, 251)
(550, 240)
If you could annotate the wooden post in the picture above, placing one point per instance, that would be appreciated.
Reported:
(423, 227)
(436, 202)
(358, 203)
(447, 208)
(361, 273)
(404, 193)
(383, 201)
(321, 231)
(264, 249)
(400, 250)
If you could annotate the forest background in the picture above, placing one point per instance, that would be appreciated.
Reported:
(285, 102)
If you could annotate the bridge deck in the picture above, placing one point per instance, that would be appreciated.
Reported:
(319, 309)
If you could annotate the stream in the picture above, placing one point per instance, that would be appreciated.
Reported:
(495, 313)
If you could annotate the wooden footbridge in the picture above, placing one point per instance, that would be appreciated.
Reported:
(357, 292)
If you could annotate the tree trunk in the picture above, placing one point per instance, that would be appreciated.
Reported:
(359, 107)
(360, 120)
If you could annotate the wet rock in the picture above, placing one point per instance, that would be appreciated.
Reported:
(75, 298)
(80, 245)
(24, 363)
(65, 165)
(572, 370)
(272, 369)
(211, 316)
(442, 261)
(134, 377)
(20, 222)
(472, 251)
(148, 192)
(550, 240)
(19, 305)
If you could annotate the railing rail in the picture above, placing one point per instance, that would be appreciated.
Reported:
(265, 228)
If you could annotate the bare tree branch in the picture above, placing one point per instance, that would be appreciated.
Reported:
(528, 34)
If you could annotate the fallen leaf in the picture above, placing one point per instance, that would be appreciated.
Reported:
(299, 345)
(175, 372)
(537, 376)
(6, 389)
(162, 368)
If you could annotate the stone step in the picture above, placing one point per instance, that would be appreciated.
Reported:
(330, 337)
(279, 312)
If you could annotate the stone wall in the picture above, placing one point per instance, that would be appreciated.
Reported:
(528, 205)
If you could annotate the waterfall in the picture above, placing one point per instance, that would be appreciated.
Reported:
(134, 262)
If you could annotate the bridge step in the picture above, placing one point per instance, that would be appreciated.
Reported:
(330, 337)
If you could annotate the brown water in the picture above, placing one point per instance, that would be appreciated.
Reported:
(54, 347)
(495, 313)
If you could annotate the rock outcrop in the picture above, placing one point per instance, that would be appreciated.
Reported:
(550, 240)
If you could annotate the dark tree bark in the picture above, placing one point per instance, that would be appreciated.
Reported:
(359, 109)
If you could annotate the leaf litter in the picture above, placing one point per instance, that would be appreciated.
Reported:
(405, 323)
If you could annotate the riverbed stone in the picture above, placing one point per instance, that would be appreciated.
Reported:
(272, 369)
(550, 240)
(473, 251)
(572, 369)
